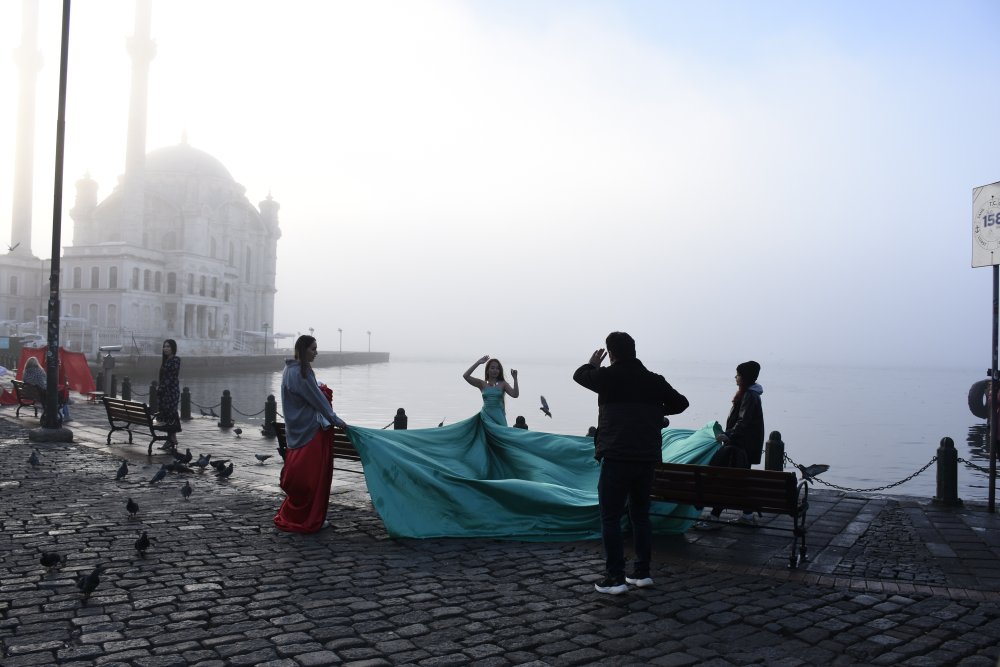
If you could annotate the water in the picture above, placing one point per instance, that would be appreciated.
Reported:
(873, 426)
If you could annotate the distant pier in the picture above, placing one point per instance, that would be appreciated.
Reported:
(271, 363)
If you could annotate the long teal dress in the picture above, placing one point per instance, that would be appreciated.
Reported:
(493, 409)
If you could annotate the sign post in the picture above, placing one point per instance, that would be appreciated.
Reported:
(986, 252)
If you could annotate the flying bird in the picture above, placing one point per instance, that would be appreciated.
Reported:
(122, 470)
(545, 408)
(185, 457)
(810, 472)
(442, 423)
(186, 490)
(132, 508)
(51, 559)
(142, 544)
(238, 431)
(88, 583)
(12, 248)
(160, 474)
(33, 459)
(223, 473)
(203, 460)
(262, 457)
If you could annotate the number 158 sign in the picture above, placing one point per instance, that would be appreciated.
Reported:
(986, 225)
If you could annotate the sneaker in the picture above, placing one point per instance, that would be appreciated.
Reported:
(706, 525)
(745, 520)
(611, 585)
(639, 580)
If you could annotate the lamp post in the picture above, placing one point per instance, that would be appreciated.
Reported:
(265, 338)
(369, 340)
(341, 347)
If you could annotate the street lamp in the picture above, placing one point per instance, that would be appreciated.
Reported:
(265, 339)
(369, 340)
(341, 332)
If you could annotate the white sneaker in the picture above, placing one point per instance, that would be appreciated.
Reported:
(745, 520)
(706, 525)
(639, 581)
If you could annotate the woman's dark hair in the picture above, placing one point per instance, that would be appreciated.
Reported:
(621, 345)
(303, 343)
(173, 350)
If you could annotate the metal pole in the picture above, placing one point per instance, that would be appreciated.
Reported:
(991, 506)
(51, 417)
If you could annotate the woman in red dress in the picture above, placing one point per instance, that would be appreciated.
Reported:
(309, 422)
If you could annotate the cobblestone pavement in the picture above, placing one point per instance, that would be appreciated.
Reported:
(219, 586)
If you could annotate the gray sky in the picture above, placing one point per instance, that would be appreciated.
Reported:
(788, 181)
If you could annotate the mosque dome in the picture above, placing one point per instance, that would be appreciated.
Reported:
(186, 160)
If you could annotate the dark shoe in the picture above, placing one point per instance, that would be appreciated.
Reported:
(639, 580)
(611, 585)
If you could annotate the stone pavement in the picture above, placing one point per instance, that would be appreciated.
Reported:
(890, 580)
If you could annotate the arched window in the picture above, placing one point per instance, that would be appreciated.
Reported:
(171, 283)
(77, 277)
(135, 278)
(75, 310)
(93, 315)
(157, 281)
(201, 286)
(146, 275)
(225, 292)
(215, 287)
(113, 277)
(190, 283)
(112, 315)
(13, 286)
(95, 277)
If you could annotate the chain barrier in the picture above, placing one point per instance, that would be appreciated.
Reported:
(973, 465)
(877, 488)
(244, 414)
(207, 407)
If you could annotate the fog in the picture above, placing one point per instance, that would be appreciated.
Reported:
(782, 181)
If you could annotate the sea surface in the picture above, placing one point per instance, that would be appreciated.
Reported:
(872, 426)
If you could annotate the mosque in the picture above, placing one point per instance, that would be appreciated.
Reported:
(175, 251)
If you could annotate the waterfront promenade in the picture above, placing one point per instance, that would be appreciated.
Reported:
(891, 580)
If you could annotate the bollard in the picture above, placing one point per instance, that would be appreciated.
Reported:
(226, 418)
(127, 389)
(186, 404)
(154, 400)
(947, 474)
(774, 453)
(99, 383)
(270, 417)
(114, 386)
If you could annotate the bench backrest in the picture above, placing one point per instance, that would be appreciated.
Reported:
(132, 411)
(342, 447)
(27, 393)
(706, 486)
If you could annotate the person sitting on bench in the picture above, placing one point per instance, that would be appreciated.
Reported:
(35, 375)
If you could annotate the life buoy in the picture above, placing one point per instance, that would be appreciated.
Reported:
(977, 399)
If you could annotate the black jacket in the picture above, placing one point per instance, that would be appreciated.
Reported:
(745, 425)
(631, 403)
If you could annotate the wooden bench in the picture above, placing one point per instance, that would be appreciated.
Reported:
(342, 448)
(769, 491)
(28, 396)
(123, 415)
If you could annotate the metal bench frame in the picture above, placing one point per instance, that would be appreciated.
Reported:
(123, 415)
(342, 448)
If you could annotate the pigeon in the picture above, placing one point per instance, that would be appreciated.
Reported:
(223, 473)
(142, 544)
(211, 413)
(186, 490)
(132, 507)
(12, 248)
(545, 408)
(262, 457)
(177, 466)
(219, 465)
(238, 431)
(185, 457)
(88, 582)
(160, 474)
(122, 470)
(51, 559)
(203, 460)
(815, 470)
(203, 413)
(33, 459)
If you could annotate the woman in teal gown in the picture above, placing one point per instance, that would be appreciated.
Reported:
(493, 389)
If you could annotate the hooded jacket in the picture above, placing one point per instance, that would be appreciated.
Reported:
(745, 425)
(631, 403)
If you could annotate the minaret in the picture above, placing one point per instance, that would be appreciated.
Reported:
(29, 60)
(141, 49)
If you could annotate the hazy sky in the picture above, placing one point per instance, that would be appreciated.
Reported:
(787, 181)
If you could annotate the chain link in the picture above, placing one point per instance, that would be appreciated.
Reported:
(877, 488)
(973, 465)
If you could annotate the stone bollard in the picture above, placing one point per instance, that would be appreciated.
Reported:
(226, 418)
(186, 404)
(270, 417)
(114, 386)
(154, 401)
(774, 452)
(127, 388)
(947, 474)
(99, 382)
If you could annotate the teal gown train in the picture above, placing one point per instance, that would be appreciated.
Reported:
(480, 478)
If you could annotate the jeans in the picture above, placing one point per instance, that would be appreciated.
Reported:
(621, 481)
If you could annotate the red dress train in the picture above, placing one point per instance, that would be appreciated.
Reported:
(306, 480)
